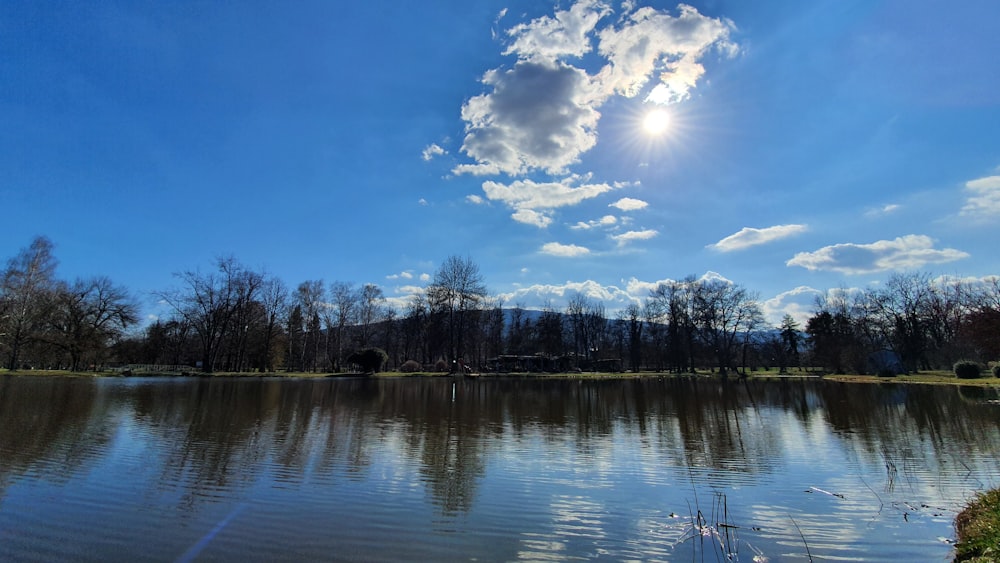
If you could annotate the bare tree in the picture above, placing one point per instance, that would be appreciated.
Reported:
(457, 289)
(207, 302)
(632, 317)
(414, 329)
(549, 332)
(516, 332)
(901, 307)
(274, 300)
(727, 314)
(674, 305)
(340, 314)
(26, 297)
(88, 316)
(371, 311)
(653, 315)
(587, 324)
(248, 314)
(981, 327)
(309, 296)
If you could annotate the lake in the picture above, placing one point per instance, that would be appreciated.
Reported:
(488, 469)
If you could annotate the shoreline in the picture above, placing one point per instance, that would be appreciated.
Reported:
(929, 378)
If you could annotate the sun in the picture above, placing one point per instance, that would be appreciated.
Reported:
(656, 122)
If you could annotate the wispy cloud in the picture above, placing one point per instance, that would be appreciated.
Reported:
(405, 275)
(903, 253)
(632, 236)
(749, 236)
(606, 221)
(882, 211)
(432, 150)
(982, 198)
(629, 204)
(566, 250)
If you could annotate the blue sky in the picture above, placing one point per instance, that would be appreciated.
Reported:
(807, 145)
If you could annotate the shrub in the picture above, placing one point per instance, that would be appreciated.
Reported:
(441, 366)
(410, 366)
(370, 360)
(967, 369)
(996, 370)
(887, 372)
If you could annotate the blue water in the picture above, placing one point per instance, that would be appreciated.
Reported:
(487, 470)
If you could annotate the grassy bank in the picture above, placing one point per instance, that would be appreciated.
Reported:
(930, 377)
(978, 528)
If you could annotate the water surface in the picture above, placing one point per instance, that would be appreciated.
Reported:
(164, 469)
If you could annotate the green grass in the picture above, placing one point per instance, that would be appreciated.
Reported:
(55, 373)
(978, 528)
(941, 377)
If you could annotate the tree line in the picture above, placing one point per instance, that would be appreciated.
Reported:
(234, 318)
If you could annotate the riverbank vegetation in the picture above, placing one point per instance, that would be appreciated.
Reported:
(978, 528)
(231, 318)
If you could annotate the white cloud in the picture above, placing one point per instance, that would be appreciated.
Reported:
(549, 195)
(539, 295)
(477, 169)
(629, 204)
(566, 34)
(630, 236)
(983, 199)
(568, 250)
(903, 253)
(799, 303)
(512, 129)
(475, 199)
(613, 297)
(532, 217)
(432, 150)
(711, 276)
(640, 289)
(606, 221)
(532, 200)
(749, 236)
(425, 277)
(422, 201)
(406, 275)
(653, 42)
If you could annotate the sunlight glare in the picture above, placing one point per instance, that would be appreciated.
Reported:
(656, 121)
